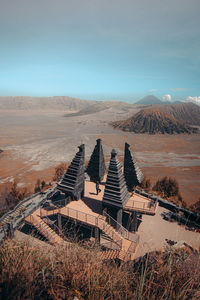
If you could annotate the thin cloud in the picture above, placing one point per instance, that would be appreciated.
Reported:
(178, 89)
(194, 99)
(153, 90)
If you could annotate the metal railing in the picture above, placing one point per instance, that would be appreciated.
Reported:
(41, 227)
(120, 228)
(16, 220)
(111, 232)
(87, 218)
(56, 229)
(133, 246)
(106, 223)
(9, 213)
(111, 245)
(73, 213)
(142, 205)
(46, 213)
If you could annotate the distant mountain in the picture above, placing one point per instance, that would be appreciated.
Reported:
(154, 120)
(101, 106)
(62, 103)
(149, 100)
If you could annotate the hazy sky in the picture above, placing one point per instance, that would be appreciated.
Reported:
(107, 48)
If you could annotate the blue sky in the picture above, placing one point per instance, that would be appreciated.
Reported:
(122, 49)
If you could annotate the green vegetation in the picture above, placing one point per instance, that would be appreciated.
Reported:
(28, 272)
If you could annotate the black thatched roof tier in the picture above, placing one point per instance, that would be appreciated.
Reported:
(115, 193)
(72, 183)
(96, 167)
(132, 173)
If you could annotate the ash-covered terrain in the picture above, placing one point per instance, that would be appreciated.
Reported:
(34, 141)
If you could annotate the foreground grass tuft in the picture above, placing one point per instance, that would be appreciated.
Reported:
(28, 272)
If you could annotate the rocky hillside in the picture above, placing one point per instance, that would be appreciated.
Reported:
(62, 103)
(152, 121)
(184, 112)
(101, 106)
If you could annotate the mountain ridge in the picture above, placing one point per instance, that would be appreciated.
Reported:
(159, 119)
(149, 100)
(188, 113)
(27, 103)
(101, 106)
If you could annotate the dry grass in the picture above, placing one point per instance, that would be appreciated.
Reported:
(65, 272)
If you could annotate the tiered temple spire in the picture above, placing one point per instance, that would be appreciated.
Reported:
(115, 194)
(96, 167)
(73, 182)
(132, 173)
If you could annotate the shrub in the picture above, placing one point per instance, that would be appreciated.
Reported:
(10, 195)
(169, 189)
(196, 206)
(38, 186)
(146, 184)
(59, 171)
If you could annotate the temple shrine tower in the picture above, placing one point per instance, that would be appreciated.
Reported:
(96, 166)
(132, 173)
(116, 194)
(73, 181)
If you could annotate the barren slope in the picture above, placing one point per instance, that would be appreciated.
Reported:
(149, 100)
(153, 121)
(101, 106)
(184, 112)
(59, 103)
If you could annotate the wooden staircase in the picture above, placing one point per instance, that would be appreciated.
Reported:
(109, 254)
(127, 247)
(125, 241)
(44, 229)
(122, 239)
(110, 231)
(17, 212)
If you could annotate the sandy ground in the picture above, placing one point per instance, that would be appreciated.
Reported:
(154, 231)
(177, 156)
(35, 142)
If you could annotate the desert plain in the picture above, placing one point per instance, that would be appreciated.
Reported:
(34, 142)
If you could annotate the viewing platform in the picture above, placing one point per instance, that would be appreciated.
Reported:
(137, 202)
(141, 204)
